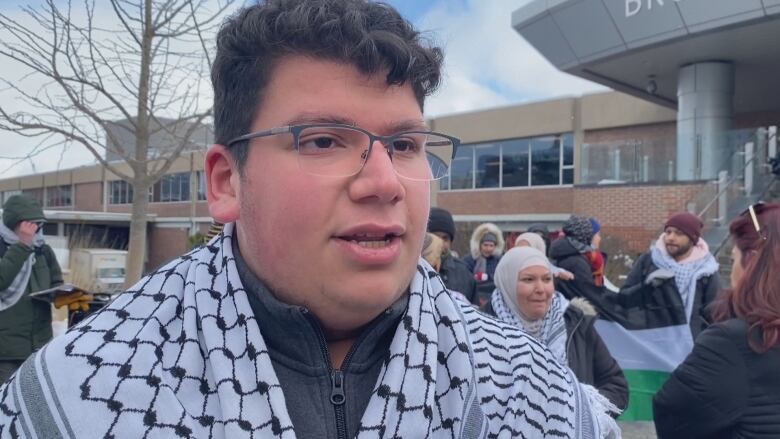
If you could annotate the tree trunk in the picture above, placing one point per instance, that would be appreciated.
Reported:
(136, 252)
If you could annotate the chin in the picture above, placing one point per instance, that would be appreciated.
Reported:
(374, 292)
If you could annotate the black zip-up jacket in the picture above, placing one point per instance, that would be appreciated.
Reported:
(723, 389)
(587, 354)
(707, 289)
(322, 402)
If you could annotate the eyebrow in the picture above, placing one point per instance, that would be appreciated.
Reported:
(392, 128)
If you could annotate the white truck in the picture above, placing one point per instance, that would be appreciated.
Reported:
(98, 270)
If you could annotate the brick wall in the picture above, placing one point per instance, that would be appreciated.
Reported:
(88, 196)
(633, 213)
(507, 202)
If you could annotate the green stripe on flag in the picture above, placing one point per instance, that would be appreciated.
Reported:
(642, 386)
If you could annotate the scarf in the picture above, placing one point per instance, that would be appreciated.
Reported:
(686, 273)
(180, 355)
(596, 260)
(15, 291)
(550, 330)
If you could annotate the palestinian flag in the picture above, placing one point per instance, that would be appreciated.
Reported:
(646, 330)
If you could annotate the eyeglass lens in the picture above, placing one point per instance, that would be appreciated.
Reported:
(342, 151)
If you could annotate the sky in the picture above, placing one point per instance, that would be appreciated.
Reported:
(487, 65)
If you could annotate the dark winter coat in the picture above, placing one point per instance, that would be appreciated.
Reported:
(707, 288)
(490, 265)
(724, 389)
(457, 276)
(564, 255)
(589, 357)
(26, 326)
(587, 354)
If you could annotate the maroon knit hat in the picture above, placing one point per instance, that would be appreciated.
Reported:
(687, 223)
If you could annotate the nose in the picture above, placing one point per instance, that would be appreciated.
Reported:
(377, 180)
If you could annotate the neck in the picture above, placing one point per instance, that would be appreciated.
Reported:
(339, 343)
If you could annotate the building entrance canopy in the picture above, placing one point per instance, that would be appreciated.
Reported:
(639, 46)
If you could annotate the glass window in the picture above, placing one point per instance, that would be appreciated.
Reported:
(36, 194)
(568, 176)
(202, 186)
(462, 173)
(9, 194)
(537, 161)
(59, 196)
(567, 140)
(120, 192)
(488, 170)
(545, 161)
(515, 158)
(172, 188)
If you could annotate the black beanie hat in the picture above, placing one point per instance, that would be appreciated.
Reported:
(440, 220)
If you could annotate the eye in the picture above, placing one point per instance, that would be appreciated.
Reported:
(409, 144)
(317, 143)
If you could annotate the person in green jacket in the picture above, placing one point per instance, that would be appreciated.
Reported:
(27, 264)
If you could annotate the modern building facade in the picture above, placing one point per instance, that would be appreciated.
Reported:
(608, 155)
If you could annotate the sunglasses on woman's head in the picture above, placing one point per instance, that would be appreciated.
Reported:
(754, 210)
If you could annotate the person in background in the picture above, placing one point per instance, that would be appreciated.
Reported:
(680, 260)
(525, 297)
(569, 253)
(433, 249)
(729, 386)
(596, 257)
(27, 265)
(529, 239)
(487, 246)
(454, 272)
(543, 231)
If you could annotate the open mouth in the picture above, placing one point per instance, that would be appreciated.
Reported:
(371, 241)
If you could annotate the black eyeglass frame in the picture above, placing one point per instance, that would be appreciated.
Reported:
(387, 141)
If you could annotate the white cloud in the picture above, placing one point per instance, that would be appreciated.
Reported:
(482, 48)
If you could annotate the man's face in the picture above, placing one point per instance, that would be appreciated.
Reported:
(486, 248)
(445, 237)
(344, 247)
(677, 243)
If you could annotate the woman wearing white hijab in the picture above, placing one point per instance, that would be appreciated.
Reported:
(525, 296)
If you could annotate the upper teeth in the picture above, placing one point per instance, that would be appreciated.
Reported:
(372, 244)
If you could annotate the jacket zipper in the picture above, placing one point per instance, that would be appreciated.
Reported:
(571, 336)
(337, 395)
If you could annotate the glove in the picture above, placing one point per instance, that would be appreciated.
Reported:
(74, 301)
(658, 277)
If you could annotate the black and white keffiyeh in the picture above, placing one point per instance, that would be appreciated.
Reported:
(16, 289)
(549, 330)
(180, 355)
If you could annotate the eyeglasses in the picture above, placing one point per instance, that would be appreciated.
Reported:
(754, 210)
(336, 150)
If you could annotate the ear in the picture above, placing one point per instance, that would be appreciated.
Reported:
(223, 183)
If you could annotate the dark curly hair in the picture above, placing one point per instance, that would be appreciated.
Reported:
(371, 36)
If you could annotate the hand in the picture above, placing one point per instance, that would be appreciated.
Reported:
(565, 275)
(74, 301)
(658, 277)
(26, 231)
